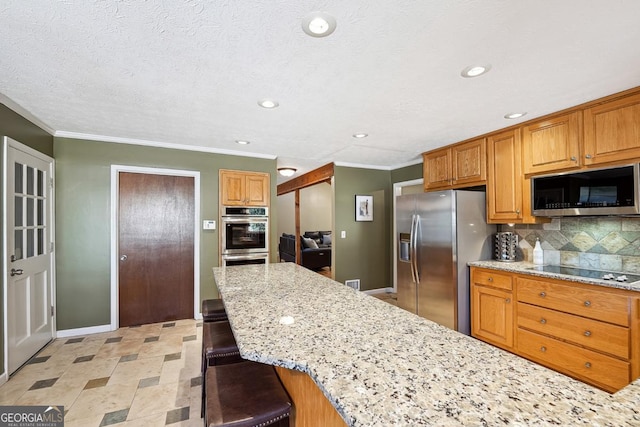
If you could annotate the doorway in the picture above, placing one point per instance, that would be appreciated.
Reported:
(155, 245)
(28, 266)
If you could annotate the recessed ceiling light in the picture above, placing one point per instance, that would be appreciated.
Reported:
(318, 24)
(514, 115)
(475, 70)
(241, 142)
(268, 103)
(286, 171)
(360, 135)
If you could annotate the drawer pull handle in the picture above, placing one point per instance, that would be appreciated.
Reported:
(587, 365)
(490, 279)
(543, 320)
(587, 333)
(543, 294)
(587, 303)
(543, 349)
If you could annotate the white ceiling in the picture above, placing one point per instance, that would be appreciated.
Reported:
(189, 73)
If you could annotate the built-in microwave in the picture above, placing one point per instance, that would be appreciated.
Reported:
(606, 191)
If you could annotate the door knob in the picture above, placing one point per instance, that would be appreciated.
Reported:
(123, 258)
(16, 272)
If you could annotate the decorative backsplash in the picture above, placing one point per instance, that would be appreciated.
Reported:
(600, 243)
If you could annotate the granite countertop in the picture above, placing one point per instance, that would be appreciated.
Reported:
(525, 267)
(382, 366)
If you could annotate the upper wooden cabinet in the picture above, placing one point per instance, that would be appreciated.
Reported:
(504, 183)
(459, 165)
(552, 144)
(239, 188)
(508, 191)
(612, 131)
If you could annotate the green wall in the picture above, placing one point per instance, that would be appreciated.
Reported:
(22, 130)
(365, 253)
(407, 173)
(83, 180)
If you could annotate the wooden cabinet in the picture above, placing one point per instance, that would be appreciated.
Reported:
(585, 331)
(239, 188)
(552, 144)
(508, 191)
(612, 131)
(575, 329)
(459, 165)
(492, 307)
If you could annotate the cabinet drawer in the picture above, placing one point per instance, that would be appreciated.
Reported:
(576, 300)
(596, 335)
(610, 373)
(493, 279)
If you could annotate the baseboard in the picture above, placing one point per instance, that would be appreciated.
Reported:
(4, 378)
(83, 331)
(378, 291)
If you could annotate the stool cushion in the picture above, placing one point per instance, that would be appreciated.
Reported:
(213, 310)
(218, 343)
(245, 394)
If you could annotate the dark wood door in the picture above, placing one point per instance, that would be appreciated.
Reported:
(155, 248)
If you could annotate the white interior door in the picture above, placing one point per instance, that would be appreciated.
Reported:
(29, 275)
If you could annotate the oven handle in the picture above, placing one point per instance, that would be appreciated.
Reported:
(246, 256)
(245, 219)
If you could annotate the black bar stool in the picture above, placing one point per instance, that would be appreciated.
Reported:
(213, 310)
(245, 394)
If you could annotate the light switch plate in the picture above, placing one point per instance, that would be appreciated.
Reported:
(343, 234)
(209, 224)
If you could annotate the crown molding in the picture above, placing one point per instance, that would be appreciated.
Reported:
(157, 144)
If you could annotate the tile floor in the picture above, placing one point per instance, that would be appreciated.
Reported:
(140, 376)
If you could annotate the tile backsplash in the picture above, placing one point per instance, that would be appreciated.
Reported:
(600, 243)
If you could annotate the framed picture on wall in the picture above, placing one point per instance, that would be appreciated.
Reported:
(364, 208)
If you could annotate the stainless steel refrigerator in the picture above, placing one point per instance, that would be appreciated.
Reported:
(438, 233)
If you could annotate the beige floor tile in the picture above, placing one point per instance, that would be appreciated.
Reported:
(84, 348)
(92, 421)
(96, 368)
(166, 345)
(119, 349)
(155, 420)
(179, 370)
(181, 330)
(159, 399)
(102, 400)
(143, 331)
(11, 391)
(132, 372)
(60, 394)
(51, 348)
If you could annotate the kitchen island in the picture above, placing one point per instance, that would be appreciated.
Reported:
(379, 365)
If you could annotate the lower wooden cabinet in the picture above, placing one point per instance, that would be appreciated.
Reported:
(492, 307)
(585, 331)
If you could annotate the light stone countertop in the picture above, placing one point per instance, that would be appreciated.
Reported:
(382, 366)
(527, 268)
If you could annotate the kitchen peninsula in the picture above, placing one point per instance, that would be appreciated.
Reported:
(379, 365)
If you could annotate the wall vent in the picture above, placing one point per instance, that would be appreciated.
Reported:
(353, 283)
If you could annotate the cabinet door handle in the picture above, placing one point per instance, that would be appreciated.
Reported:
(543, 320)
(518, 211)
(573, 158)
(543, 294)
(490, 279)
(588, 156)
(587, 333)
(587, 303)
(508, 300)
(543, 349)
(587, 365)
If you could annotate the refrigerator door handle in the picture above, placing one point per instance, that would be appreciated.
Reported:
(414, 244)
(412, 260)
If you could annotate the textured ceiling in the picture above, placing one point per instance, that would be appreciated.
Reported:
(190, 72)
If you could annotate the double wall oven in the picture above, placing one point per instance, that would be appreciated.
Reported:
(245, 235)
